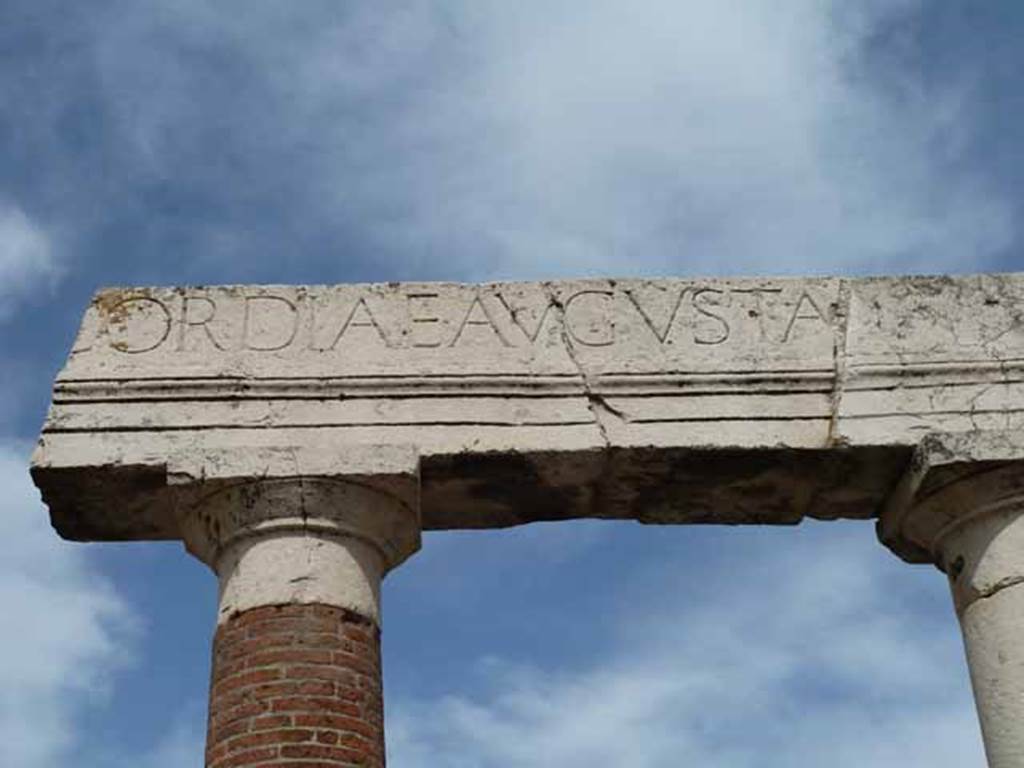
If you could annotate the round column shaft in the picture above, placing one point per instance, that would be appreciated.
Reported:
(961, 506)
(984, 559)
(296, 674)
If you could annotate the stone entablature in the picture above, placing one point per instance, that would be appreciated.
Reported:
(528, 401)
(299, 439)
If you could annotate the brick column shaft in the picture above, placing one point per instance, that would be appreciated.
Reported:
(296, 677)
(296, 685)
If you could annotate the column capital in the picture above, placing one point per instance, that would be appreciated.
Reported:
(297, 526)
(225, 496)
(953, 480)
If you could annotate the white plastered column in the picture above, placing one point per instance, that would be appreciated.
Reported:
(984, 559)
(969, 520)
(300, 566)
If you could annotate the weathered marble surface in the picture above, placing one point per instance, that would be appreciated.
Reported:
(960, 505)
(754, 400)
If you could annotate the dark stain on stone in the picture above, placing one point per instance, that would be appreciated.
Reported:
(508, 489)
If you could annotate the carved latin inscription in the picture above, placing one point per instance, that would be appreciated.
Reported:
(645, 314)
(137, 324)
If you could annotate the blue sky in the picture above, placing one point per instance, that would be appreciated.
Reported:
(172, 142)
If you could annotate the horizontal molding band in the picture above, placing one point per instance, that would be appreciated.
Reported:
(420, 424)
(575, 385)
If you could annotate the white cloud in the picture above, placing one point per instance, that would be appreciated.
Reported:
(806, 655)
(68, 637)
(529, 138)
(27, 259)
(65, 628)
(707, 136)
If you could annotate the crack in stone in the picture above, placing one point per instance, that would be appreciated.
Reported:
(602, 402)
(842, 326)
(309, 540)
(300, 476)
(972, 403)
(595, 404)
(994, 589)
(594, 400)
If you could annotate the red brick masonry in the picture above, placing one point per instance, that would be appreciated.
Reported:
(297, 686)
